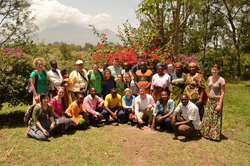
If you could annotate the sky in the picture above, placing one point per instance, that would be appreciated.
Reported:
(100, 13)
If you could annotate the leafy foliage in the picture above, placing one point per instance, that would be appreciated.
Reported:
(15, 68)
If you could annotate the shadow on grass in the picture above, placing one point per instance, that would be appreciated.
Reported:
(12, 119)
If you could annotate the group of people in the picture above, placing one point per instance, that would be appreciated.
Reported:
(171, 99)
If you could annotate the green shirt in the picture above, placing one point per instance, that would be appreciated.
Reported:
(120, 86)
(115, 71)
(40, 84)
(96, 82)
(39, 116)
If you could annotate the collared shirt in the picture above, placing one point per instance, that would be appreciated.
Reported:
(76, 81)
(55, 79)
(167, 109)
(89, 104)
(190, 112)
(111, 102)
(141, 104)
(115, 71)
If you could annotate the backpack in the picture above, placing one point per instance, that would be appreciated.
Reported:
(28, 115)
(28, 88)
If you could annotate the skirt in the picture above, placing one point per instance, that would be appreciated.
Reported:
(211, 124)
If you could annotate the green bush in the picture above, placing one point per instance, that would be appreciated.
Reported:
(15, 69)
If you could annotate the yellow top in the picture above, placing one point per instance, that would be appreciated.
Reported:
(74, 112)
(113, 102)
(76, 82)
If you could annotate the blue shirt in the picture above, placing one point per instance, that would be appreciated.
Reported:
(168, 109)
(128, 102)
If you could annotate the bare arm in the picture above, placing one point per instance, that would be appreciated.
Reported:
(125, 106)
(223, 87)
(54, 114)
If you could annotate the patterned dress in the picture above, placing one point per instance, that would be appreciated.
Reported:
(212, 120)
(194, 84)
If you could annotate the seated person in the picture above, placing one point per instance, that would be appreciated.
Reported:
(58, 113)
(163, 109)
(40, 125)
(144, 106)
(189, 124)
(75, 110)
(93, 104)
(113, 107)
(128, 104)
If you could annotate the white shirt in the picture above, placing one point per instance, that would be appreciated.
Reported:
(141, 104)
(190, 112)
(135, 88)
(55, 79)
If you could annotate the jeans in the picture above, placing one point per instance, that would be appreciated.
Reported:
(166, 121)
(120, 114)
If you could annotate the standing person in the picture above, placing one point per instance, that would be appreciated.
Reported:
(105, 65)
(115, 69)
(55, 77)
(78, 80)
(189, 124)
(66, 98)
(129, 84)
(113, 107)
(125, 70)
(94, 105)
(194, 87)
(212, 121)
(163, 109)
(128, 104)
(137, 67)
(38, 80)
(75, 110)
(108, 83)
(143, 77)
(144, 106)
(170, 69)
(95, 79)
(177, 83)
(120, 84)
(40, 125)
(57, 110)
(160, 82)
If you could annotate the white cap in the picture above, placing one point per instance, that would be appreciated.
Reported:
(79, 62)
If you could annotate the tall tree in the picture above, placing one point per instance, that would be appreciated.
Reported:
(16, 23)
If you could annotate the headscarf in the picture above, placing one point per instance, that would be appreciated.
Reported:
(192, 64)
(178, 63)
(160, 65)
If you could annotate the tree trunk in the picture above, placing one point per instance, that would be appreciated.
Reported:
(177, 29)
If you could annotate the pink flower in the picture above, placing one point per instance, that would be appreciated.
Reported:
(22, 56)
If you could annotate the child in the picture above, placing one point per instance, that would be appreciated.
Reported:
(108, 83)
(66, 98)
(120, 84)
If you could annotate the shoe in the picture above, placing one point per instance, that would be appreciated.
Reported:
(115, 124)
(129, 123)
(27, 135)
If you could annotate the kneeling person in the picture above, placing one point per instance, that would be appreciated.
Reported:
(75, 110)
(144, 106)
(189, 124)
(113, 107)
(40, 125)
(93, 104)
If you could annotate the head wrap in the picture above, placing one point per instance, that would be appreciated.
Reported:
(178, 63)
(192, 64)
(160, 65)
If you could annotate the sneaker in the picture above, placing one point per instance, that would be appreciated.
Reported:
(27, 135)
(115, 124)
(129, 123)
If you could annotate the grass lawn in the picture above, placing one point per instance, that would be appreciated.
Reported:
(129, 145)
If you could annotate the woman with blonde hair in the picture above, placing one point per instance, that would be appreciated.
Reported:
(128, 104)
(38, 80)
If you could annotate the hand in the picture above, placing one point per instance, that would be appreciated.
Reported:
(173, 122)
(114, 116)
(100, 106)
(52, 126)
(159, 120)
(133, 110)
(45, 132)
(140, 121)
(153, 126)
(100, 116)
(37, 98)
(218, 108)
(149, 106)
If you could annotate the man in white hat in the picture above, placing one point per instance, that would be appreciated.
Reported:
(78, 80)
